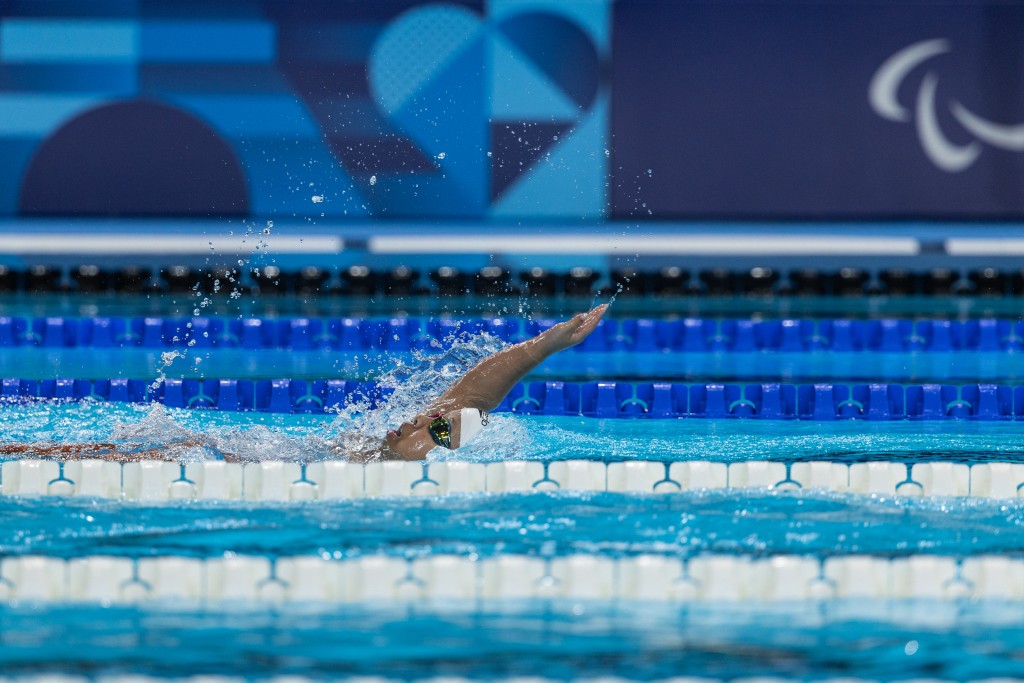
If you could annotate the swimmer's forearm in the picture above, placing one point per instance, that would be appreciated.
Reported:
(490, 380)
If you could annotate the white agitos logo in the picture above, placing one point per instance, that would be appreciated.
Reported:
(947, 155)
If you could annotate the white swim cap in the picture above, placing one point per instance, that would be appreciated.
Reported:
(471, 422)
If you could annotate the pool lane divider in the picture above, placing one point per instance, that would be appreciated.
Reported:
(450, 580)
(611, 335)
(155, 481)
(657, 400)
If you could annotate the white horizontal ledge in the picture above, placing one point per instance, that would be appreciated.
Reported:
(985, 246)
(80, 243)
(339, 480)
(453, 578)
(693, 245)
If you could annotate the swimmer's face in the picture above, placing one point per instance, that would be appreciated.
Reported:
(412, 440)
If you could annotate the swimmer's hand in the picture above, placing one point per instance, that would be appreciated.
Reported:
(574, 330)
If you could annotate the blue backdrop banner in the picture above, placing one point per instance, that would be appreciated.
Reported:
(818, 109)
(315, 109)
(512, 109)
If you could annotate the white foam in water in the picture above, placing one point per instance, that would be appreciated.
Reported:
(187, 436)
(419, 381)
(157, 427)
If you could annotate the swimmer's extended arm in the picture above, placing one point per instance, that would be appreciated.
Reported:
(490, 380)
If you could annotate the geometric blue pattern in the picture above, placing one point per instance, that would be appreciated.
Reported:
(300, 96)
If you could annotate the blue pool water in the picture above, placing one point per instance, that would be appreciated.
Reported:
(562, 639)
(911, 367)
(871, 639)
(255, 436)
(681, 525)
(875, 641)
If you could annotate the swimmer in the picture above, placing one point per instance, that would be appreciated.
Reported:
(450, 421)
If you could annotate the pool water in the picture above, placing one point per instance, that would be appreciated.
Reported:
(893, 639)
(869, 640)
(255, 436)
(757, 523)
(909, 367)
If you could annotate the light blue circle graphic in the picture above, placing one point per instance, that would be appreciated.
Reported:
(414, 48)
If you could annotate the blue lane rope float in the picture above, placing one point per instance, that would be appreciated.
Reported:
(403, 334)
(657, 400)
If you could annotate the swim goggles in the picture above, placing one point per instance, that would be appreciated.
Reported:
(472, 421)
(440, 430)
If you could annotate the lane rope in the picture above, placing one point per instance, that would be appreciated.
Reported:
(825, 401)
(404, 334)
(339, 480)
(457, 579)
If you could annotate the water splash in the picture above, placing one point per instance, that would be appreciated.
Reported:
(226, 280)
(356, 428)
(167, 359)
(176, 434)
(412, 384)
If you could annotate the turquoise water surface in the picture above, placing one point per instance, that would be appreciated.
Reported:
(870, 639)
(883, 639)
(766, 366)
(255, 436)
(639, 641)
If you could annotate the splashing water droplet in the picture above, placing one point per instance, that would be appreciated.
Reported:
(413, 384)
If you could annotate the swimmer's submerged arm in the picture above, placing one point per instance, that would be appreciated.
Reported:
(108, 451)
(489, 381)
(58, 450)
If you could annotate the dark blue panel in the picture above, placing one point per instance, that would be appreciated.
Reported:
(134, 158)
(114, 79)
(559, 49)
(211, 78)
(762, 109)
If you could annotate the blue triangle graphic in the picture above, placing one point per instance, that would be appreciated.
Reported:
(521, 92)
(448, 116)
(571, 180)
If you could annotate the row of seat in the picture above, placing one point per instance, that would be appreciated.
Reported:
(657, 400)
(628, 335)
(341, 480)
(362, 280)
(452, 580)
